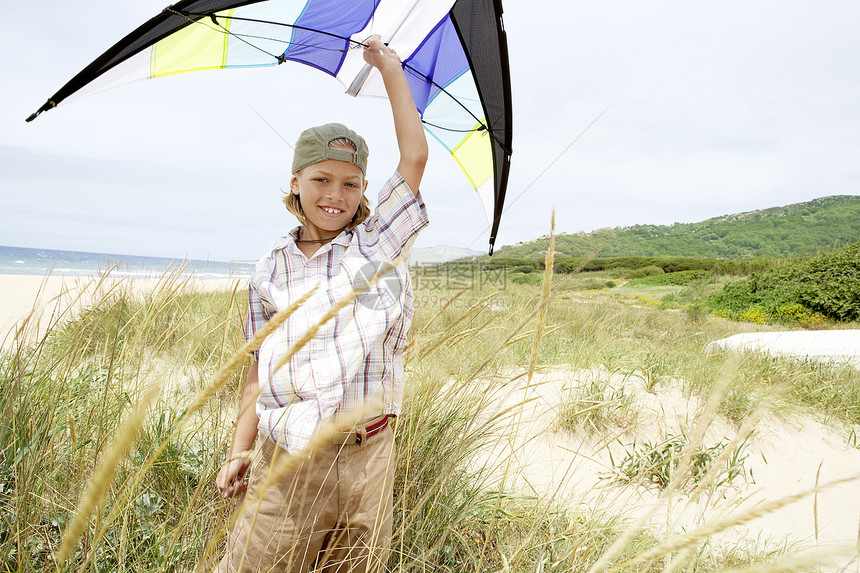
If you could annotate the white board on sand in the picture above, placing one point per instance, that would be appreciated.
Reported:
(831, 345)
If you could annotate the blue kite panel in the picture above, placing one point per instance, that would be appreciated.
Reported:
(322, 51)
(441, 58)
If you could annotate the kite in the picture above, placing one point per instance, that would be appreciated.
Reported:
(454, 53)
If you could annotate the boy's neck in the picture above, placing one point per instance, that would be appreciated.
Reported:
(309, 242)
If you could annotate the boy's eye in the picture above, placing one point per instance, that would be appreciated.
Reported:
(320, 179)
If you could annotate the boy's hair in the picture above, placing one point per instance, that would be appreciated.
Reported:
(294, 203)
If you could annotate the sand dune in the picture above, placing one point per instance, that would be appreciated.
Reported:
(831, 345)
(45, 300)
(785, 457)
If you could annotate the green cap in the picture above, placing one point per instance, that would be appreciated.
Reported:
(313, 147)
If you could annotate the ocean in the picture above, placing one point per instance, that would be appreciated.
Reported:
(24, 261)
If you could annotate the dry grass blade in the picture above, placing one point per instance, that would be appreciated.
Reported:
(623, 541)
(744, 432)
(446, 334)
(704, 420)
(442, 310)
(334, 310)
(857, 548)
(241, 355)
(793, 563)
(218, 382)
(283, 465)
(98, 485)
(544, 296)
(504, 344)
(541, 310)
(719, 525)
(469, 332)
(432, 489)
(815, 502)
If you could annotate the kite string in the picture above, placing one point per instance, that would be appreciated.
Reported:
(545, 169)
(353, 44)
(219, 28)
(201, 15)
(482, 127)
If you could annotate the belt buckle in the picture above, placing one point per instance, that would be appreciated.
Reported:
(358, 435)
(346, 438)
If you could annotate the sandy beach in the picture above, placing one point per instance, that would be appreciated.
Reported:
(41, 300)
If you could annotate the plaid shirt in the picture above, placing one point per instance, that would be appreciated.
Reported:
(356, 357)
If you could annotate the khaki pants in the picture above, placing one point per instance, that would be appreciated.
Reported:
(333, 515)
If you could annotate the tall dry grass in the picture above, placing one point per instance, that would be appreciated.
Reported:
(70, 400)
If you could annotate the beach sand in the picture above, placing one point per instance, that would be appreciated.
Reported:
(38, 301)
(786, 456)
(838, 346)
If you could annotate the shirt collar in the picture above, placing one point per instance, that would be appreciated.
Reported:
(289, 241)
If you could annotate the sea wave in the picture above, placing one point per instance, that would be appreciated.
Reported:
(25, 261)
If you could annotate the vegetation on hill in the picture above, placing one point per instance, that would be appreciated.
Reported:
(802, 291)
(572, 265)
(790, 231)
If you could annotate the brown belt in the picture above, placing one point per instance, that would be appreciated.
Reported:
(356, 436)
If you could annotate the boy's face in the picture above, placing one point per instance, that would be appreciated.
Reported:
(330, 192)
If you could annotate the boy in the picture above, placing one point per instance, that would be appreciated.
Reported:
(335, 512)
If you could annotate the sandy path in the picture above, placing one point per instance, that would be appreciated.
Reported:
(835, 345)
(784, 457)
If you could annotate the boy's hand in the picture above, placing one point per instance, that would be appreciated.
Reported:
(231, 478)
(380, 56)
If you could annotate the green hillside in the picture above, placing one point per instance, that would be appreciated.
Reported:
(790, 231)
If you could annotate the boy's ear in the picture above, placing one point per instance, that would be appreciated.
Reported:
(294, 184)
(365, 186)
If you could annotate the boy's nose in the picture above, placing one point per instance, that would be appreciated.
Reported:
(333, 192)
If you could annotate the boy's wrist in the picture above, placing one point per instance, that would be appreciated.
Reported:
(391, 70)
(243, 455)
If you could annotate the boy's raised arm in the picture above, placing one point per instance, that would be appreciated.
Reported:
(407, 123)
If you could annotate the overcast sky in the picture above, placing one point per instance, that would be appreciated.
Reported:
(708, 109)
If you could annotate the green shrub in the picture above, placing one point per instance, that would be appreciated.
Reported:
(677, 264)
(745, 266)
(653, 464)
(649, 271)
(527, 278)
(800, 291)
(567, 265)
(679, 278)
(517, 265)
(595, 284)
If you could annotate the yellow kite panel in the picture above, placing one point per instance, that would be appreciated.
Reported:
(475, 156)
(198, 46)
